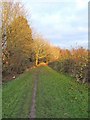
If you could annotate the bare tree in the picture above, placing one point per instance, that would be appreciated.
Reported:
(10, 11)
(39, 49)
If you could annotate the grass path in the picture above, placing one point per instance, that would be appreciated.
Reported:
(16, 96)
(60, 96)
(33, 105)
(44, 93)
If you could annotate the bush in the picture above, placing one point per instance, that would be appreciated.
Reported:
(75, 64)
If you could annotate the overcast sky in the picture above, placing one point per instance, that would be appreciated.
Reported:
(63, 22)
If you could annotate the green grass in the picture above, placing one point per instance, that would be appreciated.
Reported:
(59, 96)
(17, 97)
(0, 101)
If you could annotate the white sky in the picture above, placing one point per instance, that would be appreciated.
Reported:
(63, 22)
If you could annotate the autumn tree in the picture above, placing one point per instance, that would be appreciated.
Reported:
(19, 41)
(16, 37)
(39, 49)
(9, 11)
(44, 51)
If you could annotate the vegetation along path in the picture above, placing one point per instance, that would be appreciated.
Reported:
(44, 93)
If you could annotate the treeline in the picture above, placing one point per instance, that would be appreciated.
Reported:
(75, 62)
(16, 39)
(21, 50)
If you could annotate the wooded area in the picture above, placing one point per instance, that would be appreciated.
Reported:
(20, 50)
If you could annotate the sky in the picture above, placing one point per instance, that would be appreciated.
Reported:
(63, 23)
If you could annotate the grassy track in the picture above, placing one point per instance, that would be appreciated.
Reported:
(17, 97)
(58, 96)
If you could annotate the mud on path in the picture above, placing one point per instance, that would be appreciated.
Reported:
(33, 105)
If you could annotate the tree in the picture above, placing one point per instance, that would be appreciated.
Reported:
(16, 37)
(39, 49)
(10, 11)
(19, 41)
(44, 51)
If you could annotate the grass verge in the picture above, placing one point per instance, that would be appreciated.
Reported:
(59, 96)
(16, 96)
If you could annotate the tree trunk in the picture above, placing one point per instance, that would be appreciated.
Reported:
(36, 59)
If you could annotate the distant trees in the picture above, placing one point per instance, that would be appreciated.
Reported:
(40, 49)
(20, 50)
(43, 51)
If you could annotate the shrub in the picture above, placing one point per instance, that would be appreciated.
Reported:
(76, 64)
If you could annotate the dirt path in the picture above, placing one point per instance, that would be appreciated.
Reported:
(33, 106)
